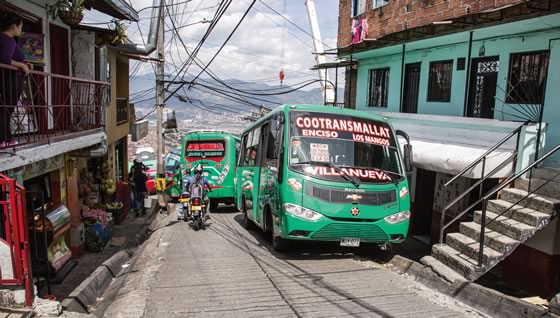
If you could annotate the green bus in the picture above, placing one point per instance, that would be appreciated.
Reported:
(216, 150)
(310, 172)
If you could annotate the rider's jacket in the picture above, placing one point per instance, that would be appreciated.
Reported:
(190, 180)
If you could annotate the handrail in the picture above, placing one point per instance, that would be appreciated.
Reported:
(491, 193)
(462, 195)
(483, 177)
(522, 172)
(501, 142)
(54, 75)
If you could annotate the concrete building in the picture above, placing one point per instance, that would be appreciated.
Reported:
(459, 77)
(71, 117)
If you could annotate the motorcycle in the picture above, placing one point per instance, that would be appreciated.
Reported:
(197, 207)
(183, 206)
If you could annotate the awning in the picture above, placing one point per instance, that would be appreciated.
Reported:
(119, 9)
(452, 159)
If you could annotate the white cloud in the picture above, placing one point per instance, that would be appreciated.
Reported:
(255, 50)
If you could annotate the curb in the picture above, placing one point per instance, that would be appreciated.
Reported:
(97, 283)
(486, 300)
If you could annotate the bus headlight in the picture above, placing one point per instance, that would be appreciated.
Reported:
(301, 212)
(398, 217)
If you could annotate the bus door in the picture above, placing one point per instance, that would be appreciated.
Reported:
(261, 169)
(271, 137)
(250, 173)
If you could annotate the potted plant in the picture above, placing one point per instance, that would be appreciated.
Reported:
(119, 33)
(70, 12)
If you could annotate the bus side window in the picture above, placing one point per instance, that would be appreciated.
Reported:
(271, 144)
(247, 149)
(242, 150)
(251, 158)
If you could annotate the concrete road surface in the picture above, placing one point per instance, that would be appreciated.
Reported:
(227, 271)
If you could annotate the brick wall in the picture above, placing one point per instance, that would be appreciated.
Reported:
(395, 16)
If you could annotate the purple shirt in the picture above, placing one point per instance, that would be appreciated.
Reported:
(9, 50)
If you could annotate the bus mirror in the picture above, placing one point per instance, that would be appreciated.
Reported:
(408, 157)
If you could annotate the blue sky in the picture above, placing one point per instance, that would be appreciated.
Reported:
(264, 43)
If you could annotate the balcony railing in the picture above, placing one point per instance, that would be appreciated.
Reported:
(122, 110)
(41, 107)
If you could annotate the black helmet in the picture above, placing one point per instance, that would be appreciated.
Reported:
(197, 169)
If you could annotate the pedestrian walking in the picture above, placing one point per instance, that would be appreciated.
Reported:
(132, 202)
(140, 188)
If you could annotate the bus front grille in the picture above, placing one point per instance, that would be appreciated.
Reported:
(363, 231)
(339, 196)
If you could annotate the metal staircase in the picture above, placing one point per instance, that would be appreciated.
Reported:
(508, 217)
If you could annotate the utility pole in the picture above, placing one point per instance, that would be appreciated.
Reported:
(160, 68)
(326, 86)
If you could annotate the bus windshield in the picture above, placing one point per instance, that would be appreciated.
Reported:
(362, 148)
(172, 161)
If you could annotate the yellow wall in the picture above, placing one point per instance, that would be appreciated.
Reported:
(119, 88)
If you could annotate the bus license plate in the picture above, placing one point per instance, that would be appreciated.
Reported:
(352, 242)
(196, 208)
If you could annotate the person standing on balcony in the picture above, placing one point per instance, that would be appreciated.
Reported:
(11, 26)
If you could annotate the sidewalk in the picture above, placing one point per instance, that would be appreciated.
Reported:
(90, 261)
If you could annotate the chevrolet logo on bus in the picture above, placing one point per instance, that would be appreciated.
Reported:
(355, 211)
(355, 197)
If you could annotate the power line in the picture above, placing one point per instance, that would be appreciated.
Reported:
(227, 39)
(163, 6)
(217, 16)
(292, 23)
(194, 59)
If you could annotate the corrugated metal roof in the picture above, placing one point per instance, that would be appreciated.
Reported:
(119, 9)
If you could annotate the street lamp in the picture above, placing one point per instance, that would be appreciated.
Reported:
(187, 25)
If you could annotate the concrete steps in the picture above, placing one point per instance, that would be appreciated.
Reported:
(547, 174)
(470, 247)
(459, 262)
(519, 213)
(540, 203)
(540, 186)
(506, 226)
(510, 220)
(493, 239)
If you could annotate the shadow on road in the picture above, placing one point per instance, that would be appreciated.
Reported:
(284, 265)
(315, 249)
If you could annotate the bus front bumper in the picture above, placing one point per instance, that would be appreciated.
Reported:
(326, 229)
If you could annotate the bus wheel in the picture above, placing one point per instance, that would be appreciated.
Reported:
(213, 205)
(280, 244)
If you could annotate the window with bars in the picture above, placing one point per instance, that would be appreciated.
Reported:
(379, 3)
(439, 81)
(527, 76)
(378, 87)
(358, 7)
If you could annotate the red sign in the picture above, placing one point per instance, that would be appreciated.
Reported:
(205, 147)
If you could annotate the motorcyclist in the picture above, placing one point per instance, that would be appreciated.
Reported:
(199, 178)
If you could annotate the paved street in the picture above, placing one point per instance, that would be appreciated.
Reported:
(228, 271)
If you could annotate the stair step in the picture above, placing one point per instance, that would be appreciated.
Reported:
(547, 188)
(470, 247)
(519, 213)
(512, 228)
(462, 264)
(547, 174)
(441, 269)
(495, 240)
(536, 202)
